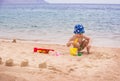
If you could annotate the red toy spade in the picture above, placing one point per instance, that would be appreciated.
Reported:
(42, 50)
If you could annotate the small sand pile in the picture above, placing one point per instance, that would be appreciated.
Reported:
(14, 41)
(43, 65)
(24, 63)
(9, 62)
(0, 60)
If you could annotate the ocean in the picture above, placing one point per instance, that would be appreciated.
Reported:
(54, 23)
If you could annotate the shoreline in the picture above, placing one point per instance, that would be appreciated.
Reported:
(46, 42)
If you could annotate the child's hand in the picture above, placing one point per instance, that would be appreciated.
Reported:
(68, 44)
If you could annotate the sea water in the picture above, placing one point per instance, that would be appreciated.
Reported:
(54, 23)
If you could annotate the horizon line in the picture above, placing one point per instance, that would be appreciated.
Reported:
(61, 3)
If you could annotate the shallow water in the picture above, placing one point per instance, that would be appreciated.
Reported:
(54, 23)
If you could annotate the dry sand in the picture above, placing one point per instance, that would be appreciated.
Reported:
(103, 64)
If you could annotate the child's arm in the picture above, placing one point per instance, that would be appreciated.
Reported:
(88, 39)
(70, 41)
(88, 45)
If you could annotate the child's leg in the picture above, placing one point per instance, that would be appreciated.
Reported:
(85, 45)
(80, 47)
(88, 49)
(76, 45)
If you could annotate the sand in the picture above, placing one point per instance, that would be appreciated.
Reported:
(103, 64)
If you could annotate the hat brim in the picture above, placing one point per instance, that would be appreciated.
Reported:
(81, 32)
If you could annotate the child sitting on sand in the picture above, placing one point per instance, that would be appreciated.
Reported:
(78, 40)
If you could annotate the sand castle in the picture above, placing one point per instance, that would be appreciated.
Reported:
(24, 63)
(43, 65)
(9, 62)
(0, 60)
(14, 41)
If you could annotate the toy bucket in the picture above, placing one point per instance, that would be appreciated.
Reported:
(73, 51)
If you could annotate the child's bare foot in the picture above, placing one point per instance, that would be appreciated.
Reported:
(88, 49)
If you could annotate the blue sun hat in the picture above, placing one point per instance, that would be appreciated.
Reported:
(79, 29)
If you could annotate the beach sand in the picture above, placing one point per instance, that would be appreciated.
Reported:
(103, 64)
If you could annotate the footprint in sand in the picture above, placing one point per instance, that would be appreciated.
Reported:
(54, 69)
